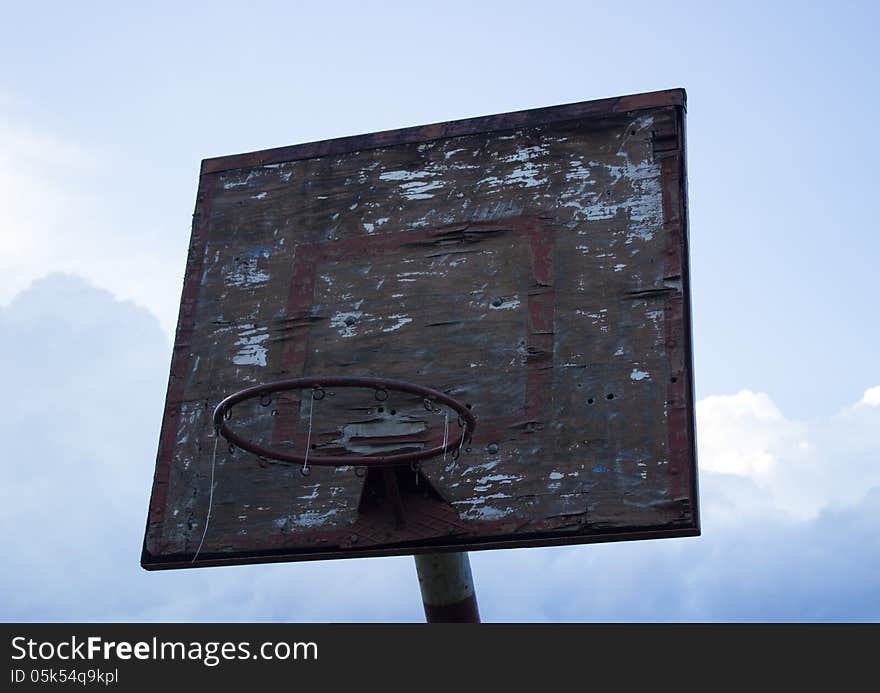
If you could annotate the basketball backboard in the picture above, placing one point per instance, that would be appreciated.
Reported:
(533, 265)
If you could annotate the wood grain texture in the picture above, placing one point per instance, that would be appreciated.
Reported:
(536, 271)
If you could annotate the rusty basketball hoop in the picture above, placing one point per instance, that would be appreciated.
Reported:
(433, 400)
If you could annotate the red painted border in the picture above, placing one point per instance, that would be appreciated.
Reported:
(181, 360)
(540, 306)
(167, 562)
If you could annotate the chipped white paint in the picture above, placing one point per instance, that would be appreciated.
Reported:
(260, 196)
(310, 518)
(489, 180)
(411, 276)
(247, 272)
(508, 304)
(485, 483)
(420, 190)
(619, 351)
(526, 153)
(642, 203)
(252, 351)
(655, 316)
(528, 175)
(340, 322)
(381, 428)
(191, 420)
(556, 475)
(414, 185)
(645, 205)
(313, 494)
(284, 175)
(453, 152)
(407, 175)
(241, 182)
(485, 466)
(639, 374)
(579, 172)
(488, 513)
(356, 436)
(478, 510)
(618, 267)
(371, 227)
(401, 321)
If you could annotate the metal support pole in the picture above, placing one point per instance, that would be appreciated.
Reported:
(447, 588)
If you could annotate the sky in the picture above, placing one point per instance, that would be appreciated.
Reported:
(106, 111)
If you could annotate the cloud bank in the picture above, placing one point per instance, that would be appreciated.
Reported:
(789, 507)
(62, 209)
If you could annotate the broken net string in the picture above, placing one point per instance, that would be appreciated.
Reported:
(305, 467)
(446, 438)
(445, 434)
(210, 497)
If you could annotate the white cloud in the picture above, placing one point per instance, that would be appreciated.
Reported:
(33, 201)
(65, 207)
(871, 397)
(744, 434)
(796, 467)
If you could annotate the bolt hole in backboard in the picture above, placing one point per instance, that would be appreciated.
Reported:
(467, 335)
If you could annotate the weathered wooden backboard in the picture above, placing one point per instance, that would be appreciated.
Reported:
(531, 264)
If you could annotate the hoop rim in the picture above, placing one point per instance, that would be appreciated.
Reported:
(221, 426)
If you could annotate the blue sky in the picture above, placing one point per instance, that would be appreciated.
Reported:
(106, 111)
